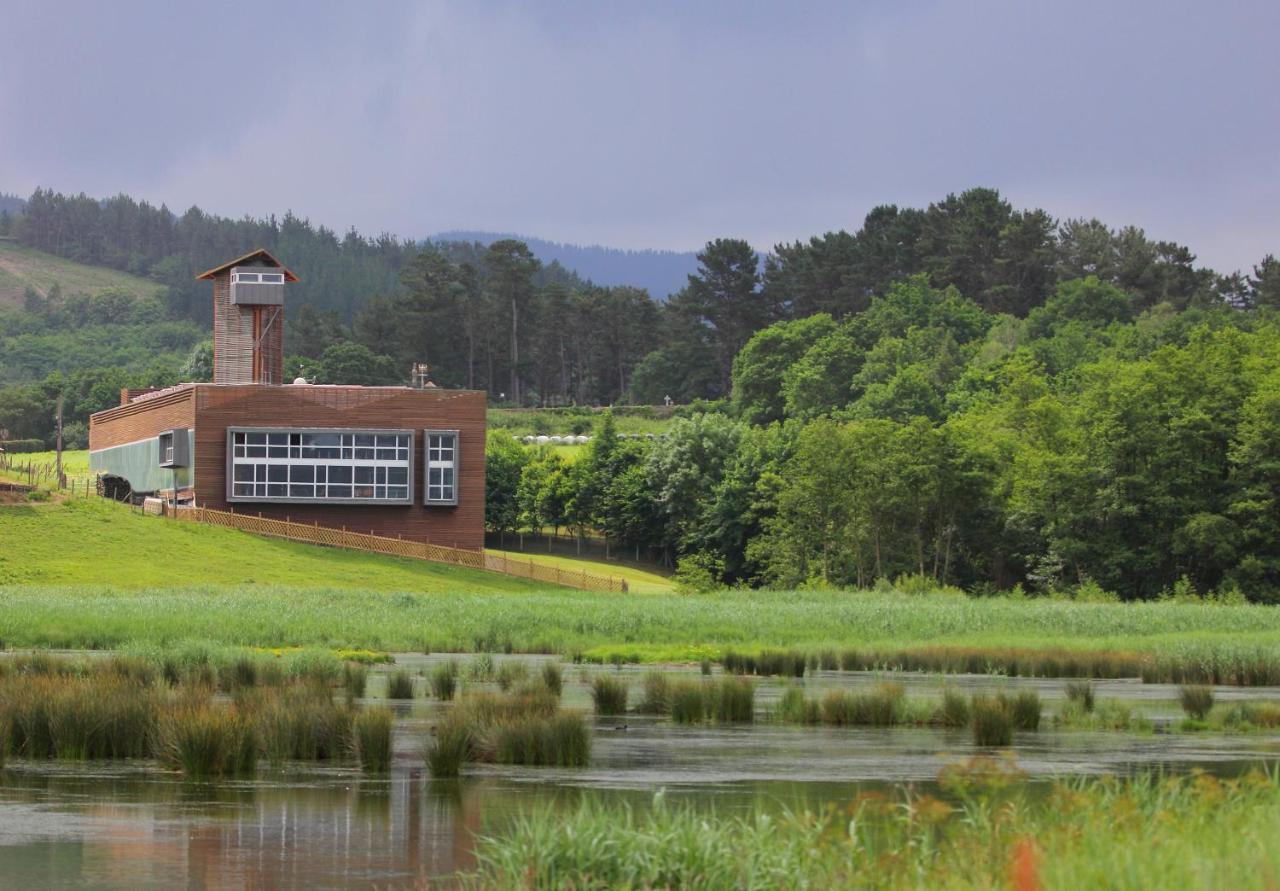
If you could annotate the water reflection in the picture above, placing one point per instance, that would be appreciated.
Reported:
(133, 827)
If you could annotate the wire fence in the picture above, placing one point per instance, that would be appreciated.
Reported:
(38, 473)
(313, 533)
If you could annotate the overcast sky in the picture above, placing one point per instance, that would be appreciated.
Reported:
(655, 124)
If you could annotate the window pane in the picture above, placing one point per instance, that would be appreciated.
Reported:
(296, 491)
(302, 473)
(278, 473)
(398, 475)
(339, 491)
(364, 474)
(244, 473)
(339, 474)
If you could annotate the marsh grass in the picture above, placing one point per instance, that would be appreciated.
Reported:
(733, 701)
(523, 727)
(609, 694)
(553, 677)
(206, 740)
(953, 710)
(444, 680)
(655, 694)
(992, 831)
(99, 716)
(992, 721)
(1196, 700)
(689, 701)
(300, 722)
(480, 668)
(727, 700)
(1024, 709)
(794, 708)
(400, 685)
(766, 663)
(509, 674)
(1253, 715)
(1081, 693)
(371, 738)
(882, 706)
(355, 678)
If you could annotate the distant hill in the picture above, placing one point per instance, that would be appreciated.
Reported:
(662, 273)
(22, 267)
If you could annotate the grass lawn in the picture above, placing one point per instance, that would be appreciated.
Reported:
(74, 462)
(639, 580)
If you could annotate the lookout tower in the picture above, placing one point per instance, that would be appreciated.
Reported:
(248, 319)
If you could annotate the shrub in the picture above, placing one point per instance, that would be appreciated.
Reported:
(705, 667)
(698, 573)
(655, 698)
(1196, 700)
(992, 722)
(400, 685)
(1081, 693)
(444, 681)
(609, 695)
(371, 739)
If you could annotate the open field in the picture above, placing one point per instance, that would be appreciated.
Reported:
(552, 421)
(23, 267)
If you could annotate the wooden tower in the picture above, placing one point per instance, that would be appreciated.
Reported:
(248, 319)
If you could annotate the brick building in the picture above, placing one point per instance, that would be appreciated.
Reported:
(389, 460)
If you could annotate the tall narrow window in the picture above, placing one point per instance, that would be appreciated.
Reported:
(442, 467)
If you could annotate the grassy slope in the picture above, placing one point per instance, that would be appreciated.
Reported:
(22, 267)
(639, 580)
(90, 542)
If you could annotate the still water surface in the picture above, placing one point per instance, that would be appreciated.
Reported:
(134, 827)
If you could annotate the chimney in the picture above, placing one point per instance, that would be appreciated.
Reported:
(248, 319)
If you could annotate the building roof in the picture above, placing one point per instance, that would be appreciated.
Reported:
(260, 252)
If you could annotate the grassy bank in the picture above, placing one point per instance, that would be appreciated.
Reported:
(92, 542)
(986, 830)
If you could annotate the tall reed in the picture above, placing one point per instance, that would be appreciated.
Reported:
(206, 740)
(609, 694)
(552, 677)
(355, 678)
(400, 685)
(1196, 700)
(444, 680)
(992, 721)
(655, 694)
(371, 738)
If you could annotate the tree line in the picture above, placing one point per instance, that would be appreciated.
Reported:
(1093, 446)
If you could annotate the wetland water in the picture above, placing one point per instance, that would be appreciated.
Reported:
(132, 826)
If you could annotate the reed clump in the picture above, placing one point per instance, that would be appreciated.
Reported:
(206, 740)
(444, 680)
(355, 678)
(655, 694)
(524, 727)
(733, 701)
(509, 674)
(1196, 700)
(371, 739)
(1082, 694)
(727, 700)
(300, 722)
(992, 721)
(64, 716)
(689, 700)
(553, 677)
(795, 708)
(882, 706)
(766, 663)
(953, 710)
(400, 685)
(609, 695)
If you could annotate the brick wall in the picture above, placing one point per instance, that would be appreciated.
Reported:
(140, 420)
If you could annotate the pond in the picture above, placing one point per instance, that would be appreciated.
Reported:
(132, 826)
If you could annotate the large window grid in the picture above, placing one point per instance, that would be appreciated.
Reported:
(351, 466)
(442, 467)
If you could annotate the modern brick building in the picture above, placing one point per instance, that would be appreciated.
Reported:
(395, 461)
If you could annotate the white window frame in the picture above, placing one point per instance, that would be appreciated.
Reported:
(446, 494)
(257, 278)
(166, 449)
(353, 460)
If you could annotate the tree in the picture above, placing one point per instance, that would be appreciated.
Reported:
(1264, 284)
(504, 463)
(761, 365)
(510, 266)
(355, 364)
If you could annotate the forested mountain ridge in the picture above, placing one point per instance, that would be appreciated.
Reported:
(661, 273)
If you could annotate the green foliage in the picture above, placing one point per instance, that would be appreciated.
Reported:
(444, 680)
(1082, 694)
(1196, 700)
(400, 685)
(609, 694)
(992, 721)
(371, 739)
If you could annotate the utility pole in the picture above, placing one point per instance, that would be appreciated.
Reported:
(61, 481)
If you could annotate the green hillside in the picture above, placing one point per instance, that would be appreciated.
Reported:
(23, 267)
(92, 542)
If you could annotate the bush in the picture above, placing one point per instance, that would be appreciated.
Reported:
(371, 739)
(400, 685)
(698, 574)
(444, 681)
(609, 695)
(22, 446)
(992, 722)
(1196, 700)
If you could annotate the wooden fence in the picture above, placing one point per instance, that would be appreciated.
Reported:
(398, 547)
(35, 473)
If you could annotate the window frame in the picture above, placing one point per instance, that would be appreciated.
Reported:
(349, 464)
(170, 450)
(456, 465)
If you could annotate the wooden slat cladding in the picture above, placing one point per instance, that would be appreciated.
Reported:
(233, 336)
(140, 420)
(462, 526)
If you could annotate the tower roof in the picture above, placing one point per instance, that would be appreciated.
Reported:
(260, 252)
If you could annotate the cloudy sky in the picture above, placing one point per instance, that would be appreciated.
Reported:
(655, 124)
